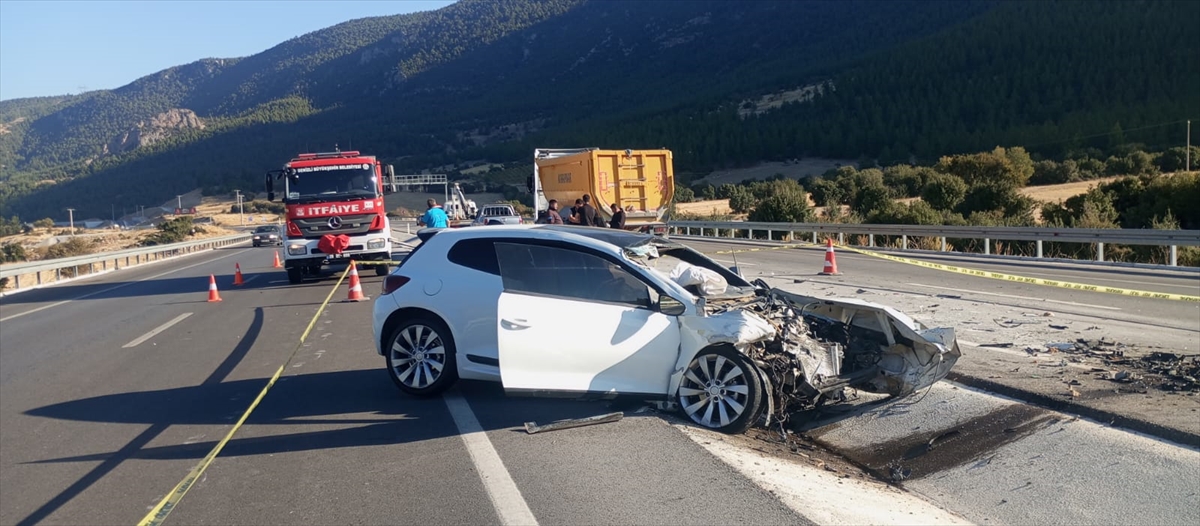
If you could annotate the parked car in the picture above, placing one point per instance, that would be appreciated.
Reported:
(268, 234)
(497, 214)
(583, 310)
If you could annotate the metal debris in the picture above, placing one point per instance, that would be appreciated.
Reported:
(532, 427)
(823, 349)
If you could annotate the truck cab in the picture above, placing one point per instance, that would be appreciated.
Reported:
(335, 212)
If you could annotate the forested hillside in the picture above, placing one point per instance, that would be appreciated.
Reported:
(486, 80)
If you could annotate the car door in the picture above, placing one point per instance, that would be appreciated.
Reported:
(576, 322)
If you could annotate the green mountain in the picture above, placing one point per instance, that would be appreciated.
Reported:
(489, 80)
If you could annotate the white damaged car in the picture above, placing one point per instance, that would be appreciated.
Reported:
(590, 311)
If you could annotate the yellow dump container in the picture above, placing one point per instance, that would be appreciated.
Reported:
(641, 181)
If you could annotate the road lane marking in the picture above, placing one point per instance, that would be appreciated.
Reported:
(159, 512)
(506, 497)
(156, 330)
(1013, 296)
(110, 289)
(741, 264)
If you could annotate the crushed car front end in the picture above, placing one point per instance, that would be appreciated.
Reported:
(809, 349)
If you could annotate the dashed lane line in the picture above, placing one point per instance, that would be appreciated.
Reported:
(156, 330)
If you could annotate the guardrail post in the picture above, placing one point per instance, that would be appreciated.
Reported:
(987, 246)
(732, 233)
(903, 241)
(1174, 256)
(1099, 251)
(814, 237)
(770, 235)
(1039, 248)
(841, 238)
(943, 243)
(871, 240)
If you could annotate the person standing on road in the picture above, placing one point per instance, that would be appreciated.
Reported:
(552, 216)
(587, 214)
(618, 217)
(434, 217)
(574, 217)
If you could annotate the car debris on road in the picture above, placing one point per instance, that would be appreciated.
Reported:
(532, 427)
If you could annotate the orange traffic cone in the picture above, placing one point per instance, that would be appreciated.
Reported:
(830, 261)
(277, 264)
(356, 292)
(237, 274)
(212, 289)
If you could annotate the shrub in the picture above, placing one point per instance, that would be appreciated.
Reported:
(944, 191)
(788, 207)
(12, 252)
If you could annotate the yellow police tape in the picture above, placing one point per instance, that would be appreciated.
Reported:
(159, 513)
(987, 274)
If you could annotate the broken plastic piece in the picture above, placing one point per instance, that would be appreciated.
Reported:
(532, 427)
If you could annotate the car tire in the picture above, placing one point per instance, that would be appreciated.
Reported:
(721, 390)
(382, 270)
(412, 366)
(295, 275)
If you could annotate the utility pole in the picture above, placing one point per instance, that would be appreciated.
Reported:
(1187, 166)
(179, 202)
(241, 218)
(71, 211)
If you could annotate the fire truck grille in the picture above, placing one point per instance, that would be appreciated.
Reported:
(313, 227)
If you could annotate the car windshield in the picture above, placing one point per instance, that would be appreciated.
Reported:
(264, 229)
(338, 182)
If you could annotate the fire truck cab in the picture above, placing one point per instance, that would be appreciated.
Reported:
(335, 212)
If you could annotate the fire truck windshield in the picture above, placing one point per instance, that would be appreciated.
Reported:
(332, 183)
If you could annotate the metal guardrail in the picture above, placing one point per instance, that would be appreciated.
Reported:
(1095, 236)
(133, 256)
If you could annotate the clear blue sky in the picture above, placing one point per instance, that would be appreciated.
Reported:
(56, 47)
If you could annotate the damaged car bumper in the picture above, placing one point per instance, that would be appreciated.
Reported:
(821, 346)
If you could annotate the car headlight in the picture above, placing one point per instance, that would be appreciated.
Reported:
(255, 237)
(376, 243)
(297, 250)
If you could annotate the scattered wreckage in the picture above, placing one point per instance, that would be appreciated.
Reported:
(808, 350)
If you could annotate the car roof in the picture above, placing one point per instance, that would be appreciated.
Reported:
(587, 235)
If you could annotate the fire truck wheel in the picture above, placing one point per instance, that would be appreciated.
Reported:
(295, 275)
(382, 270)
(421, 357)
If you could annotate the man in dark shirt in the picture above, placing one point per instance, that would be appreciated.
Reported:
(573, 216)
(587, 212)
(618, 217)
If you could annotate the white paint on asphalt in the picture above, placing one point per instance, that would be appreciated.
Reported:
(821, 496)
(1013, 296)
(740, 264)
(505, 496)
(110, 289)
(156, 330)
(1086, 472)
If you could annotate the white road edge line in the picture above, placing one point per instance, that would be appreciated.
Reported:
(1017, 297)
(506, 497)
(820, 496)
(156, 330)
(110, 289)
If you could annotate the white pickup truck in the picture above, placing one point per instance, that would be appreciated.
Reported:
(497, 214)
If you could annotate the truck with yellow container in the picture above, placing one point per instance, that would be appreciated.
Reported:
(641, 182)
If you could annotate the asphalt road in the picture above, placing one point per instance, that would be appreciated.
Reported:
(114, 387)
(865, 271)
(96, 429)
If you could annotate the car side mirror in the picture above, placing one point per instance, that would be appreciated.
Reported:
(670, 306)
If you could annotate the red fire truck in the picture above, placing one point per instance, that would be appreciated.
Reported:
(335, 211)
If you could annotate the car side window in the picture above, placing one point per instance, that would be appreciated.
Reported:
(566, 273)
(479, 254)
